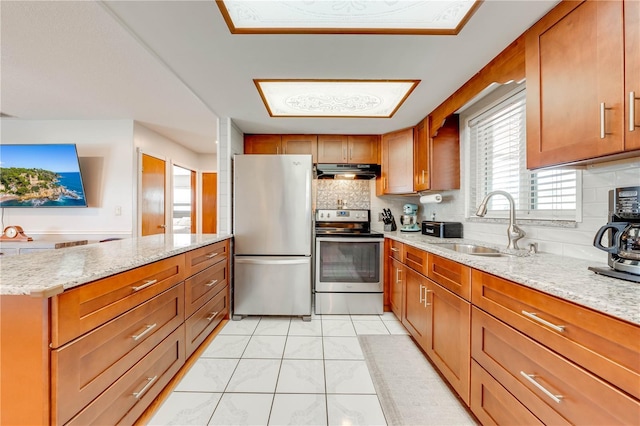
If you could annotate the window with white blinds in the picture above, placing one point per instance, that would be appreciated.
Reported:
(498, 162)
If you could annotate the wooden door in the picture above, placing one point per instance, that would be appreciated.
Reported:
(632, 74)
(209, 203)
(262, 144)
(445, 156)
(396, 287)
(415, 316)
(574, 68)
(300, 144)
(153, 195)
(332, 148)
(397, 162)
(363, 149)
(448, 337)
(421, 156)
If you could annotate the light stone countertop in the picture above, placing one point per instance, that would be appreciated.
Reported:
(564, 277)
(49, 272)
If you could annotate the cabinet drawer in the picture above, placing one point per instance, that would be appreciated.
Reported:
(416, 259)
(202, 258)
(396, 250)
(204, 285)
(608, 347)
(493, 405)
(125, 400)
(84, 308)
(451, 275)
(82, 369)
(554, 389)
(205, 319)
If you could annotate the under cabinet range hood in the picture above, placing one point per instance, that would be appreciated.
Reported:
(347, 171)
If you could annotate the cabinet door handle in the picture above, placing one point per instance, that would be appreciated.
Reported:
(422, 300)
(535, 317)
(423, 176)
(145, 285)
(632, 111)
(398, 275)
(211, 316)
(395, 249)
(150, 380)
(531, 378)
(344, 154)
(603, 127)
(147, 329)
(426, 297)
(209, 256)
(210, 283)
(384, 183)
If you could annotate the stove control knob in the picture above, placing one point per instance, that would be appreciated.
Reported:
(328, 215)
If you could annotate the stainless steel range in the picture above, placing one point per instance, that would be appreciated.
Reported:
(348, 263)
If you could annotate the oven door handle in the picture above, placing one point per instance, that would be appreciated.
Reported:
(273, 261)
(350, 240)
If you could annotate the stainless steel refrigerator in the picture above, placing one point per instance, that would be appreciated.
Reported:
(272, 228)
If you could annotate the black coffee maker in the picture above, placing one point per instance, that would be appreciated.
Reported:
(623, 234)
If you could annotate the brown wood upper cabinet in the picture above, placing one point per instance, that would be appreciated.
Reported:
(436, 164)
(353, 149)
(397, 162)
(281, 144)
(579, 102)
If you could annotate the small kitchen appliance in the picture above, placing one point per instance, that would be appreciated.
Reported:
(349, 263)
(623, 235)
(409, 219)
(442, 229)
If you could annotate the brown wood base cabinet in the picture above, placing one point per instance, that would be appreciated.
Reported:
(513, 354)
(437, 318)
(100, 353)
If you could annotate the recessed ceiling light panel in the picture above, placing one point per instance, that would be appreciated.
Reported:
(334, 98)
(340, 17)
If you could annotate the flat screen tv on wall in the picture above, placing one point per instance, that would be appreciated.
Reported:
(40, 176)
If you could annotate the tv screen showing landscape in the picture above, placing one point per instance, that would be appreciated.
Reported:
(40, 176)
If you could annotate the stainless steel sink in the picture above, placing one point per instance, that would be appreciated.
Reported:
(471, 249)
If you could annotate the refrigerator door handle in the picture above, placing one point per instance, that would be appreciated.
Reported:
(274, 262)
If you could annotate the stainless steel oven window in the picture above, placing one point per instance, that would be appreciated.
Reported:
(348, 260)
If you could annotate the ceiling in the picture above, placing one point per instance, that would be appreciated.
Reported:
(175, 67)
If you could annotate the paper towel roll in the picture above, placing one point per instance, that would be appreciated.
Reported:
(433, 198)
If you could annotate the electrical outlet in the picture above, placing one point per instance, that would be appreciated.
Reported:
(380, 217)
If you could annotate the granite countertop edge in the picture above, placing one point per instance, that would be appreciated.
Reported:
(564, 277)
(71, 267)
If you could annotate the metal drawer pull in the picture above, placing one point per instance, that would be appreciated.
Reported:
(150, 380)
(210, 283)
(398, 275)
(147, 329)
(209, 256)
(632, 111)
(145, 285)
(395, 249)
(425, 296)
(535, 317)
(531, 379)
(211, 316)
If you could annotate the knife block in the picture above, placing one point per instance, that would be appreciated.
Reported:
(391, 226)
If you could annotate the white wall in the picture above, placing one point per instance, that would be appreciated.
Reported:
(105, 148)
(576, 242)
(231, 141)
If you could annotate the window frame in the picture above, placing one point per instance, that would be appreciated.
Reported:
(488, 100)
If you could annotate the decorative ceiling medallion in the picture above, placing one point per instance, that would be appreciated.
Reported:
(334, 98)
(442, 17)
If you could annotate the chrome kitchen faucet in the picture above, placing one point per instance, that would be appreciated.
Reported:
(514, 233)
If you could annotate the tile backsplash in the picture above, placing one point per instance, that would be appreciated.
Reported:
(574, 241)
(354, 194)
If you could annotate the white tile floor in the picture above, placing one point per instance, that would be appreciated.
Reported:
(282, 371)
